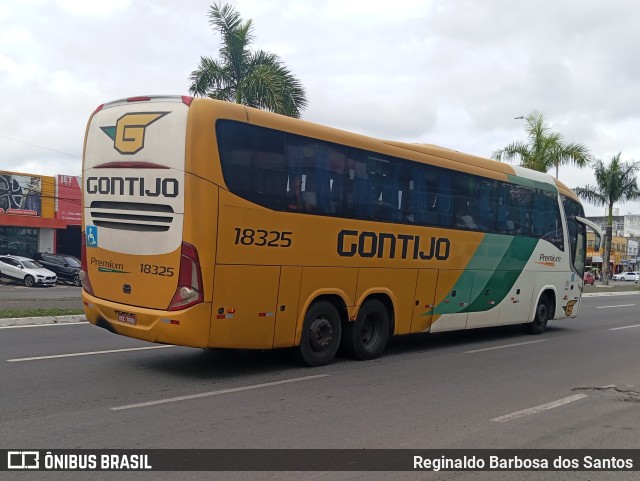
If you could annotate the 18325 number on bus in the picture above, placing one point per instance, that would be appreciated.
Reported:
(156, 270)
(263, 238)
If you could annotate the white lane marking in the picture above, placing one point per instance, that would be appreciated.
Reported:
(504, 346)
(537, 409)
(217, 393)
(624, 327)
(46, 325)
(611, 307)
(91, 353)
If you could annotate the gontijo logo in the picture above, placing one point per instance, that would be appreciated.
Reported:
(128, 133)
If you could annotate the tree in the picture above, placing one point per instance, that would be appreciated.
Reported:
(616, 182)
(544, 148)
(257, 79)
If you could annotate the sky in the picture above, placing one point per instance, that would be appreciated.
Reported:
(449, 72)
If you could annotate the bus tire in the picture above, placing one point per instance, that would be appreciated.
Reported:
(321, 332)
(543, 314)
(367, 337)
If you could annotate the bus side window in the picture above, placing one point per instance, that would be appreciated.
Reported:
(502, 199)
(444, 199)
(309, 180)
(316, 185)
(465, 202)
(269, 179)
(547, 224)
(526, 210)
(293, 155)
(406, 196)
(240, 175)
(385, 176)
(359, 190)
(337, 168)
(484, 212)
(323, 178)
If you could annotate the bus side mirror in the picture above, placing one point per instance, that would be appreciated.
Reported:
(597, 231)
(597, 243)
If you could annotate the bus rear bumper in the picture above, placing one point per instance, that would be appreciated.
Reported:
(189, 327)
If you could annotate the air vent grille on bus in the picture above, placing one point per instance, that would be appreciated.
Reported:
(133, 216)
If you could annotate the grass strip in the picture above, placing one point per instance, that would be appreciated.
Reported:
(7, 313)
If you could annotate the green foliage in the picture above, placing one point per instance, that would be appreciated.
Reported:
(543, 149)
(615, 182)
(257, 79)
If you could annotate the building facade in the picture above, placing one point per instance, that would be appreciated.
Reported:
(623, 225)
(39, 214)
(624, 254)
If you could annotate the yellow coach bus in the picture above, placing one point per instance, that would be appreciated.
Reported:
(211, 224)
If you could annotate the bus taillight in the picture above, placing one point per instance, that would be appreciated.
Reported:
(189, 290)
(84, 272)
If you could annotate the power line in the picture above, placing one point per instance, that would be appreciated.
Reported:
(40, 147)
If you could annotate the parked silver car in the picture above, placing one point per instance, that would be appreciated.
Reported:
(26, 271)
(625, 276)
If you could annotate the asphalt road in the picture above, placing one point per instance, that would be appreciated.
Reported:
(576, 386)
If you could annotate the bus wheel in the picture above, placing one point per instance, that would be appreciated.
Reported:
(367, 337)
(543, 314)
(320, 334)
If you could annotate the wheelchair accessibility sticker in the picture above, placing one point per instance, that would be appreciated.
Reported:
(92, 236)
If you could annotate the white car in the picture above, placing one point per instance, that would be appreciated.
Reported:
(625, 276)
(26, 270)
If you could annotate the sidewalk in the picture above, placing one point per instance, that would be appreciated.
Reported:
(614, 287)
(41, 321)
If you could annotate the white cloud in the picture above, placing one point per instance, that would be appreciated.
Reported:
(92, 8)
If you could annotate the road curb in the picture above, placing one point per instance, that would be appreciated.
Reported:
(41, 321)
(614, 293)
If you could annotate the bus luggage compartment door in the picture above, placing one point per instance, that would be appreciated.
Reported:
(244, 306)
(453, 294)
(423, 303)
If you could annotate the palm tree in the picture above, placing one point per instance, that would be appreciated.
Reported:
(544, 149)
(257, 79)
(614, 183)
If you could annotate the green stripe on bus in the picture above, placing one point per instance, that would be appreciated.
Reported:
(495, 266)
(501, 281)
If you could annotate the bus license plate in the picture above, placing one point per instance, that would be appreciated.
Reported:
(127, 318)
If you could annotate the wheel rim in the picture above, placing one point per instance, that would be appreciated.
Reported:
(320, 334)
(370, 331)
(28, 281)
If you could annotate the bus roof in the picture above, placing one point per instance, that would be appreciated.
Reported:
(425, 153)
